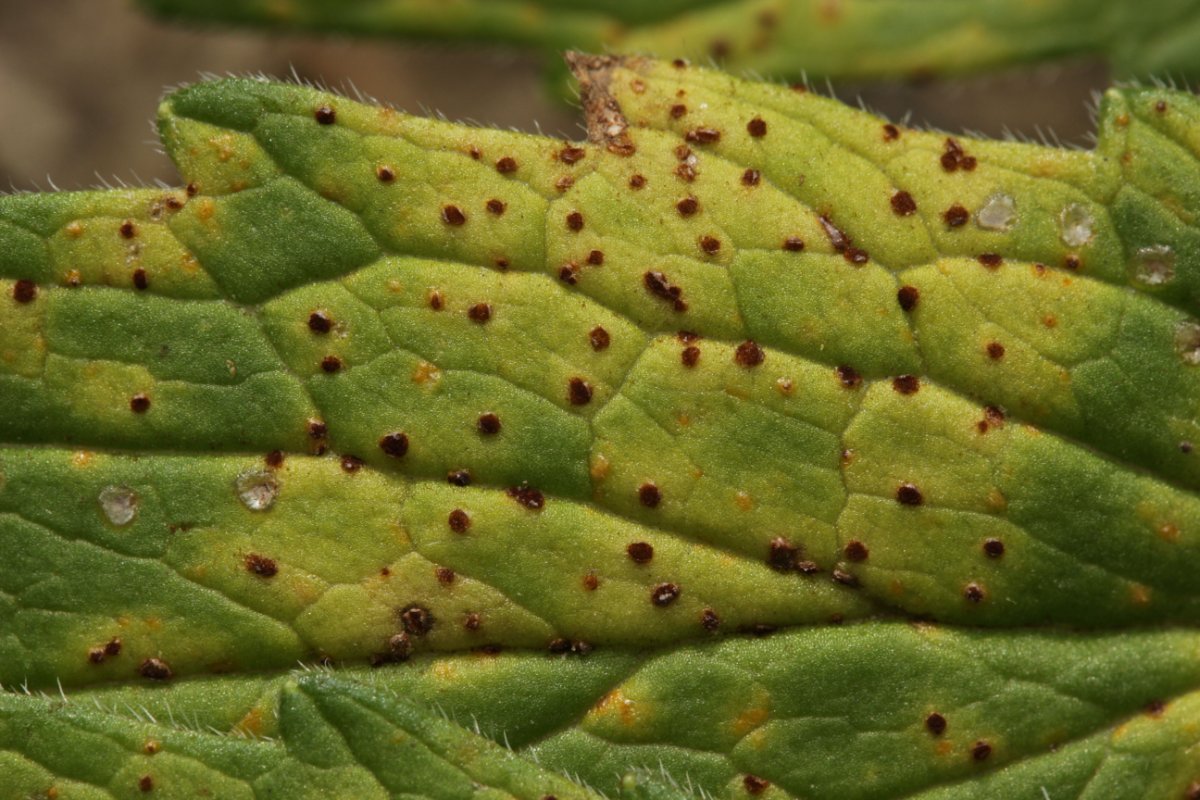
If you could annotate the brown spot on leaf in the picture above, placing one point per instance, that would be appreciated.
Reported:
(890, 132)
(649, 495)
(703, 136)
(351, 463)
(981, 750)
(956, 216)
(417, 620)
(571, 154)
(995, 350)
(261, 566)
(436, 301)
(849, 377)
(579, 391)
(755, 785)
(445, 576)
(991, 260)
(908, 297)
(687, 206)
(496, 207)
(459, 521)
(155, 669)
(320, 322)
(793, 244)
(453, 215)
(385, 174)
(140, 280)
(935, 723)
(678, 110)
(459, 477)
(24, 291)
(575, 221)
(325, 115)
(506, 165)
(993, 548)
(640, 552)
(903, 204)
(591, 582)
(909, 495)
(394, 444)
(749, 354)
(856, 550)
(527, 496)
(690, 356)
(595, 258)
(139, 403)
(659, 285)
(599, 338)
(146, 783)
(480, 313)
(488, 423)
(710, 244)
(637, 181)
(845, 578)
(906, 384)
(757, 127)
(973, 592)
(751, 177)
(331, 364)
(664, 594)
(782, 554)
(709, 620)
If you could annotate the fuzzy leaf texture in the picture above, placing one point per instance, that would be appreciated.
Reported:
(754, 447)
(834, 38)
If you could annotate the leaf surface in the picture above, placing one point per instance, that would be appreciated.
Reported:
(374, 388)
(796, 38)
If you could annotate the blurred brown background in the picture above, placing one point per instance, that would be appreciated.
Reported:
(79, 80)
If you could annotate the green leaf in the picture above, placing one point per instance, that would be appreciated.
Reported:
(796, 38)
(569, 428)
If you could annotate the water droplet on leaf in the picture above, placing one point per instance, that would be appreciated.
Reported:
(998, 213)
(1153, 266)
(1187, 342)
(119, 504)
(1077, 225)
(257, 489)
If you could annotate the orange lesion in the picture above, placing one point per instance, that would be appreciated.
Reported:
(251, 724)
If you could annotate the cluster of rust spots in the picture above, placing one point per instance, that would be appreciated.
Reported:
(24, 291)
(909, 495)
(385, 174)
(562, 647)
(993, 417)
(480, 313)
(993, 548)
(842, 243)
(848, 377)
(350, 463)
(416, 620)
(906, 384)
(528, 496)
(599, 338)
(664, 594)
(981, 750)
(955, 158)
(995, 350)
(459, 521)
(579, 391)
(155, 669)
(139, 403)
(496, 207)
(659, 285)
(710, 620)
(908, 297)
(141, 280)
(956, 216)
(453, 215)
(935, 723)
(488, 423)
(574, 221)
(685, 170)
(757, 127)
(974, 593)
(458, 477)
(331, 364)
(260, 565)
(890, 132)
(755, 785)
(649, 494)
(325, 115)
(903, 204)
(749, 354)
(110, 649)
(991, 260)
(751, 177)
(320, 322)
(394, 444)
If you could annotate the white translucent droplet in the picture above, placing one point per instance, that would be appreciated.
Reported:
(1187, 342)
(257, 489)
(119, 504)
(997, 214)
(1076, 225)
(1153, 266)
